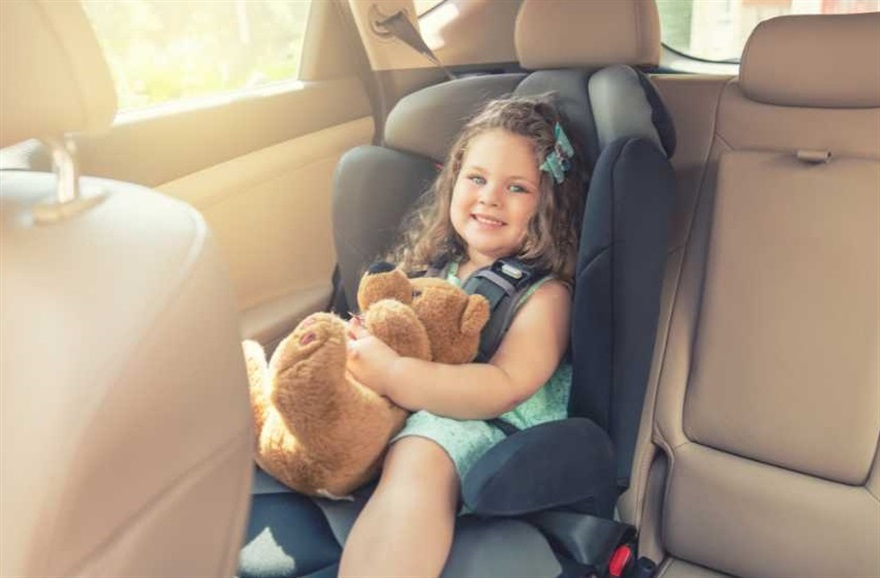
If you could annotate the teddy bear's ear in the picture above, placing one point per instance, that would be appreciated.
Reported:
(383, 281)
(475, 316)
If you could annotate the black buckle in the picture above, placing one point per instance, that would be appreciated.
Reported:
(513, 270)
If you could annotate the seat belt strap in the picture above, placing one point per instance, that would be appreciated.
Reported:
(507, 428)
(399, 26)
(502, 284)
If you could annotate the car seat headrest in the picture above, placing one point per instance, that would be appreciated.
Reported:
(601, 107)
(53, 76)
(428, 120)
(567, 34)
(626, 104)
(821, 61)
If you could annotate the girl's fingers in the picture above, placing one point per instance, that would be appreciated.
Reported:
(356, 329)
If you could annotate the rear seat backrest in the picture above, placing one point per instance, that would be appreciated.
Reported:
(768, 403)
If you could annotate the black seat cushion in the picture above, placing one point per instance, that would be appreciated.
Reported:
(541, 468)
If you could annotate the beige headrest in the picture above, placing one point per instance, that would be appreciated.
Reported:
(821, 61)
(573, 34)
(53, 76)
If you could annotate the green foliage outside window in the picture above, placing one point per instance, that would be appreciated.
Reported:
(162, 50)
(675, 21)
(717, 30)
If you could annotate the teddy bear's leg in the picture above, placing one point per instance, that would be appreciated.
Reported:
(255, 361)
(307, 372)
(332, 428)
(283, 456)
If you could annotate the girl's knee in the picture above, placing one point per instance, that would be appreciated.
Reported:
(419, 460)
(419, 476)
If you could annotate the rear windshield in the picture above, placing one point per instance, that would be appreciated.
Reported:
(717, 30)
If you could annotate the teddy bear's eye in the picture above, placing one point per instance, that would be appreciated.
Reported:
(416, 293)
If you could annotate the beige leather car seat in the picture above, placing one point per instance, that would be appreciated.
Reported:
(766, 413)
(124, 434)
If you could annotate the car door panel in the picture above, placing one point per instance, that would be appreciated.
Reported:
(270, 211)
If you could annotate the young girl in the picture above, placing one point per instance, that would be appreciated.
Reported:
(511, 187)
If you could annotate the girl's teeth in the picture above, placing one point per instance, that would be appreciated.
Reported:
(486, 220)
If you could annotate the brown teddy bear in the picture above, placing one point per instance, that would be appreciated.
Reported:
(318, 430)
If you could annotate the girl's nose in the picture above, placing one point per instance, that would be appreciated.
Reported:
(489, 195)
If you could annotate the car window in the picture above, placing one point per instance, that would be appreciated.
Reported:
(162, 51)
(717, 30)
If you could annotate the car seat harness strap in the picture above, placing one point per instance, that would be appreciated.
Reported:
(504, 284)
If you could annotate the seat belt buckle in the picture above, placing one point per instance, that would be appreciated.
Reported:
(515, 271)
(624, 564)
(620, 561)
(640, 568)
(512, 271)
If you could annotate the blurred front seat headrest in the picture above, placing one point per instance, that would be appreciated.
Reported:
(53, 76)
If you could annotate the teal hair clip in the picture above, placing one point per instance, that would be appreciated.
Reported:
(558, 162)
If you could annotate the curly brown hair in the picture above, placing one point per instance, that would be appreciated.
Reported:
(552, 240)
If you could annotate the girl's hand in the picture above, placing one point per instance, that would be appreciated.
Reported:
(369, 359)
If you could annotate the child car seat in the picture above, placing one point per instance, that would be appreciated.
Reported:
(626, 137)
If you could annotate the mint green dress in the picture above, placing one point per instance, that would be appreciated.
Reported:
(467, 440)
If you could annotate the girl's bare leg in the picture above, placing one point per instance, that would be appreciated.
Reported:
(406, 527)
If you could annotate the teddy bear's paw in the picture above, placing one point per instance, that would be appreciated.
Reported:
(321, 492)
(255, 361)
(319, 340)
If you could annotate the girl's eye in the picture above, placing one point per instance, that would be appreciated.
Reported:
(477, 179)
(517, 189)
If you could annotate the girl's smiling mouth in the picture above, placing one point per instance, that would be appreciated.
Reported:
(487, 220)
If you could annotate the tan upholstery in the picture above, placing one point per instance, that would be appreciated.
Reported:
(768, 394)
(796, 217)
(679, 569)
(570, 34)
(784, 63)
(124, 425)
(61, 82)
(125, 430)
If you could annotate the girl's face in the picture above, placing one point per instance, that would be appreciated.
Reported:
(495, 195)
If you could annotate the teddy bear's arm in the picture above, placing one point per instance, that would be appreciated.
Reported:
(398, 326)
(255, 361)
(475, 315)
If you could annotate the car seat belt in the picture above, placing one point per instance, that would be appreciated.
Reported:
(399, 26)
(503, 284)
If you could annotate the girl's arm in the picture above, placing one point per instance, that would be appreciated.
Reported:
(528, 355)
